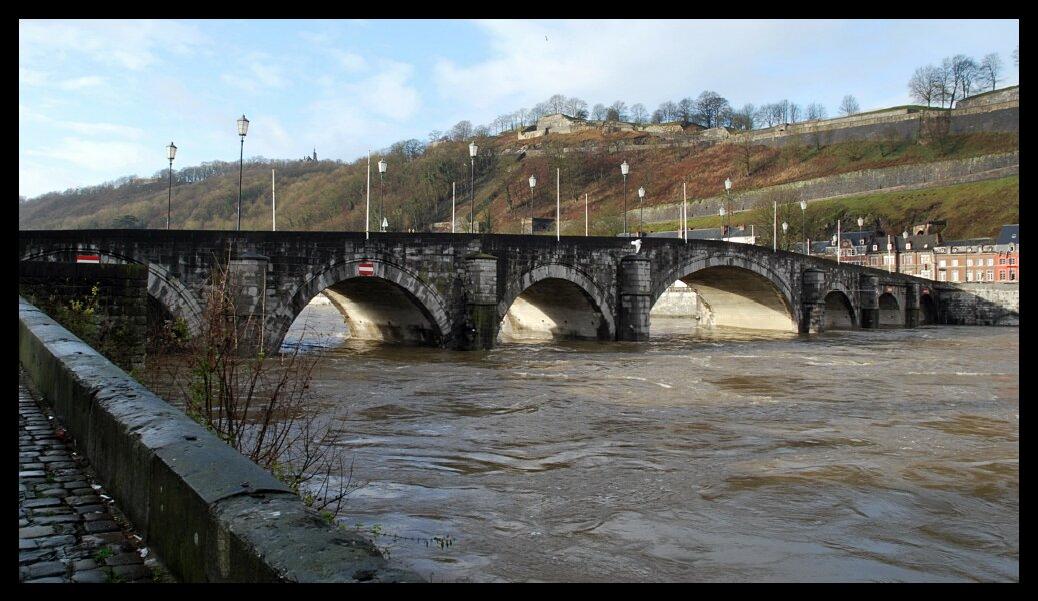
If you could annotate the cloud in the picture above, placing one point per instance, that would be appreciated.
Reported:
(134, 45)
(104, 156)
(78, 83)
(86, 128)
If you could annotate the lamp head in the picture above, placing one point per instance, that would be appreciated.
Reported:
(727, 184)
(624, 168)
(473, 149)
(243, 126)
(171, 150)
(533, 181)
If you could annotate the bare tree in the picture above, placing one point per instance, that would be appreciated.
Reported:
(657, 116)
(968, 71)
(669, 111)
(990, 69)
(815, 111)
(711, 108)
(849, 105)
(435, 135)
(619, 110)
(744, 118)
(686, 110)
(575, 107)
(638, 113)
(598, 112)
(925, 84)
(795, 113)
(556, 103)
(462, 130)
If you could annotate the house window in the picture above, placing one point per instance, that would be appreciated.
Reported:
(875, 247)
(942, 276)
(1001, 261)
(991, 262)
(1012, 275)
(942, 263)
(991, 275)
(1012, 261)
(969, 262)
(969, 276)
(955, 262)
(907, 259)
(908, 246)
(955, 276)
(861, 241)
(888, 260)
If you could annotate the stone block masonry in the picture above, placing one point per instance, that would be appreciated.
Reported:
(979, 304)
(118, 326)
(208, 512)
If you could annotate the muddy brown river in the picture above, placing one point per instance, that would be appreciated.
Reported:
(889, 455)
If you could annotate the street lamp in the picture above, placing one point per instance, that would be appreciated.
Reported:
(382, 166)
(624, 169)
(243, 128)
(533, 184)
(472, 182)
(641, 208)
(171, 150)
(785, 226)
(722, 213)
(803, 218)
(861, 223)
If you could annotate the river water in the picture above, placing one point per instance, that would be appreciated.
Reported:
(889, 455)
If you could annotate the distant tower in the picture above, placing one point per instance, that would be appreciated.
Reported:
(315, 154)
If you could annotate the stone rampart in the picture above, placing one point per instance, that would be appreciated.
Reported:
(902, 177)
(979, 304)
(209, 513)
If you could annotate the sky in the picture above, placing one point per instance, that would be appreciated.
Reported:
(99, 100)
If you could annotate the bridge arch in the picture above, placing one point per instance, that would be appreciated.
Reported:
(839, 310)
(163, 287)
(552, 301)
(391, 304)
(737, 290)
(890, 311)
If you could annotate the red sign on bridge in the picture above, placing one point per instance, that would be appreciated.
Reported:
(88, 258)
(366, 268)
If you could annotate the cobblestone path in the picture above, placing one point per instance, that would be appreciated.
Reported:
(68, 529)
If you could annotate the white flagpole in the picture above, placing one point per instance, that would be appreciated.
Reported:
(454, 197)
(367, 202)
(585, 215)
(684, 212)
(274, 207)
(558, 224)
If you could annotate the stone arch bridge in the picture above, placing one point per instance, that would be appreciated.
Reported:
(463, 291)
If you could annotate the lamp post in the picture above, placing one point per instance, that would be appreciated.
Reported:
(624, 169)
(243, 128)
(728, 202)
(722, 213)
(803, 217)
(785, 226)
(533, 184)
(641, 208)
(861, 223)
(172, 152)
(382, 166)
(472, 182)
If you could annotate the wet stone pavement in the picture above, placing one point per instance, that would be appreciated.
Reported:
(68, 529)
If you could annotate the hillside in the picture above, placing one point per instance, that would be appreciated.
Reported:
(329, 195)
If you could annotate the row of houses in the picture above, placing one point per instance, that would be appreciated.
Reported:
(925, 254)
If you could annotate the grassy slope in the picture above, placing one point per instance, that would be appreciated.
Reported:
(329, 196)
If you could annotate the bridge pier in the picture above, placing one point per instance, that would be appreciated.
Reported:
(912, 305)
(813, 302)
(247, 285)
(635, 298)
(868, 301)
(479, 328)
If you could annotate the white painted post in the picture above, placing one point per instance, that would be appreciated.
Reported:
(585, 215)
(839, 241)
(454, 197)
(684, 212)
(774, 228)
(367, 201)
(558, 201)
(274, 206)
